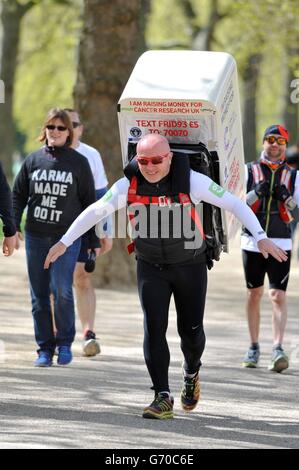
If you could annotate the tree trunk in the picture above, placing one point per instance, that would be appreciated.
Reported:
(202, 38)
(109, 47)
(11, 15)
(250, 78)
(12, 12)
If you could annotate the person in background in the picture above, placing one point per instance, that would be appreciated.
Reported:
(7, 217)
(292, 157)
(85, 294)
(273, 195)
(56, 185)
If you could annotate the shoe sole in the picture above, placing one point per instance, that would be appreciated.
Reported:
(189, 407)
(64, 364)
(92, 348)
(280, 365)
(250, 365)
(44, 366)
(151, 415)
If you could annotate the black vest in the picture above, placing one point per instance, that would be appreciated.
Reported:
(268, 211)
(166, 235)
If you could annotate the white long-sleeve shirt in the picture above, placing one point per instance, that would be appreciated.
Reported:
(202, 188)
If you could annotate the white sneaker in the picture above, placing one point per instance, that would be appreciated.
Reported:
(91, 346)
(279, 361)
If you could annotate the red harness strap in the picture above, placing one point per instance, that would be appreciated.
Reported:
(134, 198)
(186, 201)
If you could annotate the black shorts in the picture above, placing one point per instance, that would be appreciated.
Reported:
(256, 266)
(83, 255)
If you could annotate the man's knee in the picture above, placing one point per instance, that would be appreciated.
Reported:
(255, 295)
(40, 305)
(192, 337)
(277, 296)
(82, 279)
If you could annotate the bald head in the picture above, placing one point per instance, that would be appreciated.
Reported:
(152, 145)
(149, 147)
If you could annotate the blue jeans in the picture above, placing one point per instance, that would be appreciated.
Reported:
(58, 280)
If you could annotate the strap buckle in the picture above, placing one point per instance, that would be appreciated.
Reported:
(163, 201)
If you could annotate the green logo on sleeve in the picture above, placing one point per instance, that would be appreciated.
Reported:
(107, 196)
(216, 189)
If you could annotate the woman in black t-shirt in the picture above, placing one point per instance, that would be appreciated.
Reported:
(56, 185)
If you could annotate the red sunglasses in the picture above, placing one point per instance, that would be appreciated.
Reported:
(153, 160)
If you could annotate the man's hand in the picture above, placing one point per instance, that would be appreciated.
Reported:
(281, 193)
(267, 247)
(57, 250)
(8, 246)
(106, 245)
(262, 189)
(96, 250)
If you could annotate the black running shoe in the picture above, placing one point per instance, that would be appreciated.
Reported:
(190, 393)
(160, 408)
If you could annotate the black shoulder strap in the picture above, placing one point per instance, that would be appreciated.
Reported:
(131, 169)
(293, 179)
(250, 176)
(180, 173)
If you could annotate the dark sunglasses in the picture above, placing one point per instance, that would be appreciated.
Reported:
(280, 140)
(76, 124)
(154, 160)
(51, 127)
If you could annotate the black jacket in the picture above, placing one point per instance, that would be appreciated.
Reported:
(56, 184)
(6, 213)
(268, 211)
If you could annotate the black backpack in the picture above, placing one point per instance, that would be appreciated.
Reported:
(207, 163)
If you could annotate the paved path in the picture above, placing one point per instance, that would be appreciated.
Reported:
(97, 403)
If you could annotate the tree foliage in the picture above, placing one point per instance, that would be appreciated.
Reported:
(47, 57)
(262, 36)
(46, 64)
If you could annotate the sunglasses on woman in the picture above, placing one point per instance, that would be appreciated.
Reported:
(51, 127)
(153, 160)
(280, 140)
